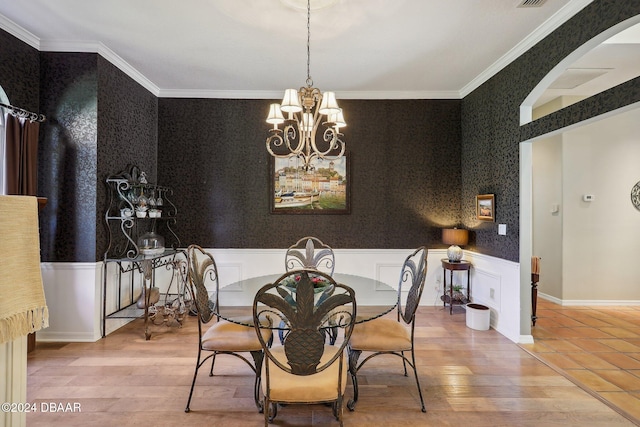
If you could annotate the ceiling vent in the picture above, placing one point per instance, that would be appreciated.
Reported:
(532, 3)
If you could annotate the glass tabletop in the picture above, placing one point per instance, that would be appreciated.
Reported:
(374, 298)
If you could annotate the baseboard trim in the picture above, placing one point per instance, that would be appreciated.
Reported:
(599, 303)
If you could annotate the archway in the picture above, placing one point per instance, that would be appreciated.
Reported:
(526, 158)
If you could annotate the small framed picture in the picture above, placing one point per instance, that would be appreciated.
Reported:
(485, 207)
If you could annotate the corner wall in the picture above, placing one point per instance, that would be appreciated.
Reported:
(491, 131)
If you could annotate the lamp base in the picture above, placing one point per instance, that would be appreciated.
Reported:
(454, 253)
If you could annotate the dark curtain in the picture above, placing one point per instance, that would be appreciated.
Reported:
(22, 156)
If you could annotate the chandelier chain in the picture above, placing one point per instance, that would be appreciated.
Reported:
(309, 79)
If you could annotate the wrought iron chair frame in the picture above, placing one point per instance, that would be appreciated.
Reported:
(415, 274)
(206, 311)
(304, 344)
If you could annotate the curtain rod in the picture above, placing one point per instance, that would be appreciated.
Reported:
(25, 114)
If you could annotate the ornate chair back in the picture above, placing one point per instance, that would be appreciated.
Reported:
(310, 252)
(202, 274)
(413, 274)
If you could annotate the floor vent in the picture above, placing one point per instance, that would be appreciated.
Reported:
(531, 3)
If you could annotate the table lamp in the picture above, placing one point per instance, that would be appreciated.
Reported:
(455, 237)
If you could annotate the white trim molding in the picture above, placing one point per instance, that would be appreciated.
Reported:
(592, 303)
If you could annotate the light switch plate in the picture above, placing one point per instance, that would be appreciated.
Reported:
(502, 229)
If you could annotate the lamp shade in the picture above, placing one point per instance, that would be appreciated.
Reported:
(275, 115)
(291, 102)
(455, 236)
(329, 105)
(338, 119)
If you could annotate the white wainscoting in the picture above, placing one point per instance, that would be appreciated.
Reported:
(73, 297)
(74, 290)
(495, 283)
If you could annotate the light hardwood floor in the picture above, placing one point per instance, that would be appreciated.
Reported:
(469, 378)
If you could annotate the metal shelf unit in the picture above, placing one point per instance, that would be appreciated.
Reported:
(124, 229)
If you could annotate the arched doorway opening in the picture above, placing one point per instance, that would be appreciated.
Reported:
(529, 197)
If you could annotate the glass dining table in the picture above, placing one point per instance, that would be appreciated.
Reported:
(374, 298)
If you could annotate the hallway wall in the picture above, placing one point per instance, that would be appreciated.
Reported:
(600, 237)
(585, 245)
(547, 225)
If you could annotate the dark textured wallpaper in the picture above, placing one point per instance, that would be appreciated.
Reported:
(127, 134)
(67, 156)
(491, 130)
(98, 121)
(405, 174)
(19, 72)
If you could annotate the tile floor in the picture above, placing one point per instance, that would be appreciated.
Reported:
(596, 347)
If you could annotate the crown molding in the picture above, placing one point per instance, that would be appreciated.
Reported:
(399, 94)
(220, 94)
(266, 94)
(20, 33)
(105, 52)
(550, 25)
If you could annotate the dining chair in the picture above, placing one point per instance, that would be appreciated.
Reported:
(221, 337)
(386, 335)
(303, 369)
(310, 252)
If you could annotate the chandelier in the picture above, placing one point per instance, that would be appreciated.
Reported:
(307, 109)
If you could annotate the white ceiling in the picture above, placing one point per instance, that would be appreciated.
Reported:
(367, 49)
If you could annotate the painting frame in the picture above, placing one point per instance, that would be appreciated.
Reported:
(328, 195)
(486, 207)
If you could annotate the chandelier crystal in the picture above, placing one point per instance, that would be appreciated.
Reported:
(306, 109)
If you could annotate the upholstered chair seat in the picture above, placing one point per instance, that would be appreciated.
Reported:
(287, 387)
(232, 337)
(381, 334)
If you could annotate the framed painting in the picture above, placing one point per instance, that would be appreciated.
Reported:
(323, 189)
(485, 207)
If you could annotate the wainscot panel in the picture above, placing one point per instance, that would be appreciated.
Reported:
(74, 290)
